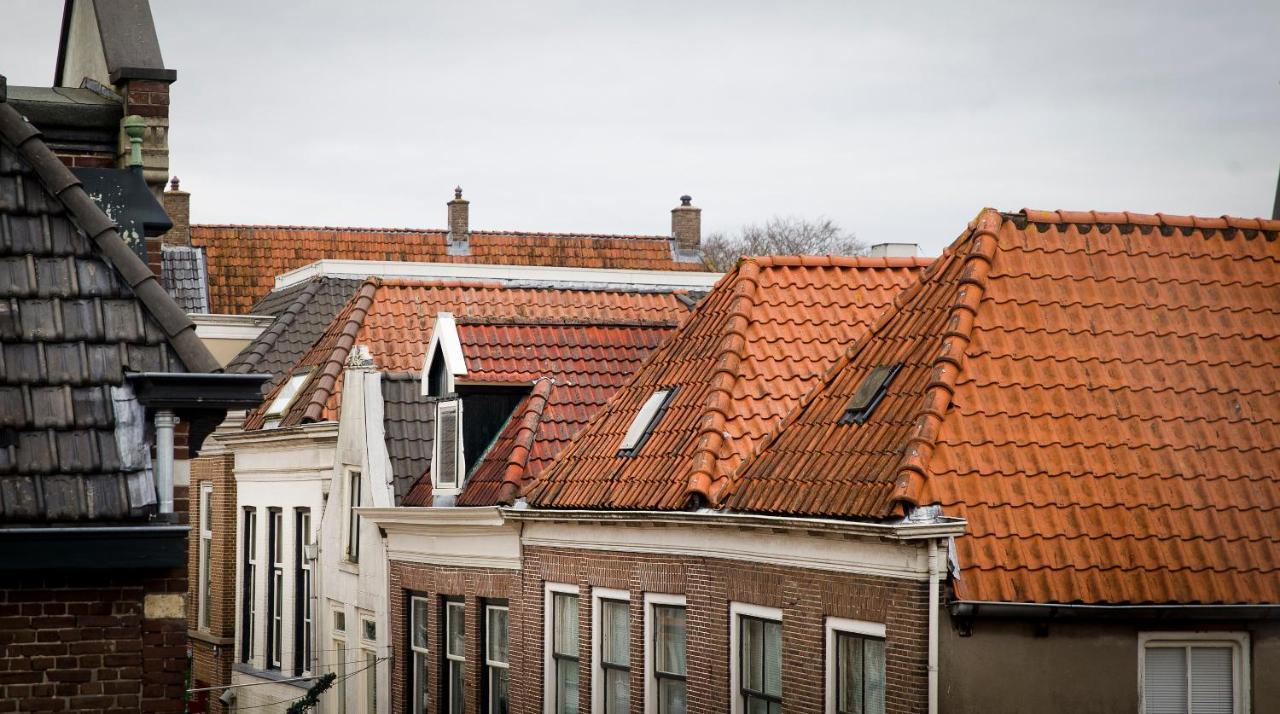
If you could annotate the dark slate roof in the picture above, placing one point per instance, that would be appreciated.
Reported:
(302, 313)
(130, 46)
(407, 425)
(78, 309)
(185, 275)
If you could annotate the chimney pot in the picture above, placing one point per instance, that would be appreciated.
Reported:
(686, 224)
(459, 218)
(173, 184)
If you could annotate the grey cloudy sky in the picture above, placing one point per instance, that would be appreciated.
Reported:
(898, 119)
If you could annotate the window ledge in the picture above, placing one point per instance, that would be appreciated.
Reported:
(204, 636)
(274, 675)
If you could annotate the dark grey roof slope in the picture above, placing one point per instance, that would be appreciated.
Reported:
(78, 309)
(407, 429)
(186, 277)
(302, 313)
(129, 43)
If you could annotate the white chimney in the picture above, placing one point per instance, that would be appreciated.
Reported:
(894, 250)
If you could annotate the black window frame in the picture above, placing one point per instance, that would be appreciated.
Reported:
(248, 577)
(658, 674)
(744, 694)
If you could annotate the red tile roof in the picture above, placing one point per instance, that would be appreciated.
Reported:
(394, 320)
(575, 368)
(761, 339)
(243, 261)
(1097, 394)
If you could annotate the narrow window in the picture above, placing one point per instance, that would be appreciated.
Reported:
(447, 460)
(496, 659)
(248, 606)
(370, 682)
(206, 547)
(869, 393)
(353, 518)
(614, 641)
(1189, 673)
(340, 669)
(455, 658)
(669, 668)
(859, 674)
(756, 651)
(418, 679)
(564, 652)
(302, 606)
(642, 425)
(275, 586)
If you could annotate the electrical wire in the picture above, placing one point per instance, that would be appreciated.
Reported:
(291, 700)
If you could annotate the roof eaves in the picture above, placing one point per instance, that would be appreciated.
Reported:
(86, 214)
(703, 481)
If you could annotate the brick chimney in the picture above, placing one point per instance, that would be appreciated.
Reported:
(177, 203)
(686, 224)
(459, 217)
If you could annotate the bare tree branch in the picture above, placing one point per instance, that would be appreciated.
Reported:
(780, 235)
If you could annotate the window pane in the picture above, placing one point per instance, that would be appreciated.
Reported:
(1165, 681)
(1211, 681)
(497, 634)
(566, 624)
(419, 623)
(371, 681)
(457, 627)
(457, 699)
(615, 631)
(671, 696)
(617, 691)
(773, 658)
(498, 685)
(419, 683)
(752, 656)
(873, 676)
(757, 706)
(566, 687)
(669, 629)
(849, 674)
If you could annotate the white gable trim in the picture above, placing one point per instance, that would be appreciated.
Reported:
(445, 336)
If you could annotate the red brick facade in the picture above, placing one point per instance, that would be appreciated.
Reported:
(213, 648)
(806, 598)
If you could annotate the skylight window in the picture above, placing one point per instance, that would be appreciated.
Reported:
(869, 394)
(646, 418)
(286, 395)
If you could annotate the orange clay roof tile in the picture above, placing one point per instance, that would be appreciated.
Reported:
(752, 348)
(243, 261)
(1097, 394)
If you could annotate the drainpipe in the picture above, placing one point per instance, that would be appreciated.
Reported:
(933, 626)
(165, 422)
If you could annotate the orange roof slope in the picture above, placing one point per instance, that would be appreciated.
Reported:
(1097, 394)
(243, 261)
(394, 319)
(574, 368)
(762, 338)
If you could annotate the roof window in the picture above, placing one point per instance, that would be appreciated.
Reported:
(290, 390)
(643, 424)
(869, 394)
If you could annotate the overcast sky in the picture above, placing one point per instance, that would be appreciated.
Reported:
(900, 120)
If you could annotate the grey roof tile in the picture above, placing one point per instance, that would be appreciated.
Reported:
(147, 358)
(15, 272)
(406, 429)
(15, 411)
(122, 320)
(104, 363)
(185, 275)
(35, 452)
(91, 406)
(18, 496)
(8, 320)
(53, 277)
(96, 279)
(21, 363)
(50, 407)
(24, 236)
(80, 320)
(77, 451)
(64, 363)
(37, 320)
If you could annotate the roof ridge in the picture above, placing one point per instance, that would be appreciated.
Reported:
(522, 446)
(839, 261)
(702, 481)
(1170, 220)
(431, 231)
(534, 321)
(102, 230)
(971, 285)
(332, 367)
(278, 326)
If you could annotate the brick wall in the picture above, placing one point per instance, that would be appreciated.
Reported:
(212, 660)
(806, 598)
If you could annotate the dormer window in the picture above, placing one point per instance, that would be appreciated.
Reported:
(648, 417)
(869, 394)
(447, 461)
(284, 398)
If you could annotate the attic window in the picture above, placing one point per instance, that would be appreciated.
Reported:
(285, 397)
(643, 424)
(447, 461)
(869, 394)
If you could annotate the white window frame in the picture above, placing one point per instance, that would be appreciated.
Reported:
(275, 590)
(650, 677)
(284, 398)
(340, 668)
(437, 487)
(352, 483)
(415, 652)
(304, 630)
(1240, 672)
(597, 643)
(205, 555)
(491, 664)
(446, 685)
(833, 626)
(737, 610)
(444, 337)
(248, 597)
(368, 680)
(548, 634)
